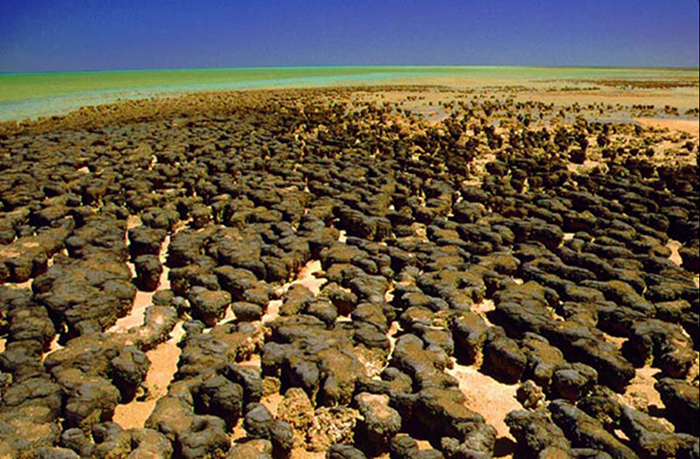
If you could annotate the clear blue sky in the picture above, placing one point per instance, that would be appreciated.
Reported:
(55, 35)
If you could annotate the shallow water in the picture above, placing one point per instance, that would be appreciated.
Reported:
(31, 95)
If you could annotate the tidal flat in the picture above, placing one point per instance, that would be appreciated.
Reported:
(31, 95)
(423, 267)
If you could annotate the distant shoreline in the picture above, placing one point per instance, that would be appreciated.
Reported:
(647, 104)
(33, 95)
(388, 66)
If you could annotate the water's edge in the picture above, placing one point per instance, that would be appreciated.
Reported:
(29, 96)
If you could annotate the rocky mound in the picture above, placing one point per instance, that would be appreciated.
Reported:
(558, 256)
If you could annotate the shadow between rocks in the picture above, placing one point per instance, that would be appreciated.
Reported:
(503, 447)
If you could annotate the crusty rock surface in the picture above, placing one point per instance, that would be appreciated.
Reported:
(303, 268)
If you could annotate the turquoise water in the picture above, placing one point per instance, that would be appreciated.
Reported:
(43, 94)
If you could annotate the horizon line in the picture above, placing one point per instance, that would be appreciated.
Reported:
(260, 67)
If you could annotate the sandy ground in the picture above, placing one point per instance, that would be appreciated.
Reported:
(681, 99)
(135, 317)
(641, 390)
(164, 360)
(675, 255)
(483, 308)
(490, 398)
(689, 126)
(618, 341)
(307, 278)
(562, 92)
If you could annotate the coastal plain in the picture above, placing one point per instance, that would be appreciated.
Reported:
(428, 266)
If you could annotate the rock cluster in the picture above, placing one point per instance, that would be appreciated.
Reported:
(413, 244)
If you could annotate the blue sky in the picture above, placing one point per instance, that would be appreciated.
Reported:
(57, 35)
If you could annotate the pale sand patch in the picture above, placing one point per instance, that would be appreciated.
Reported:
(423, 445)
(689, 126)
(675, 255)
(238, 432)
(272, 402)
(53, 347)
(555, 315)
(143, 299)
(253, 362)
(229, 315)
(694, 369)
(164, 280)
(681, 99)
(394, 328)
(587, 166)
(618, 341)
(545, 91)
(26, 284)
(135, 317)
(483, 308)
(300, 453)
(486, 396)
(133, 221)
(272, 312)
(642, 385)
(164, 358)
(307, 278)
